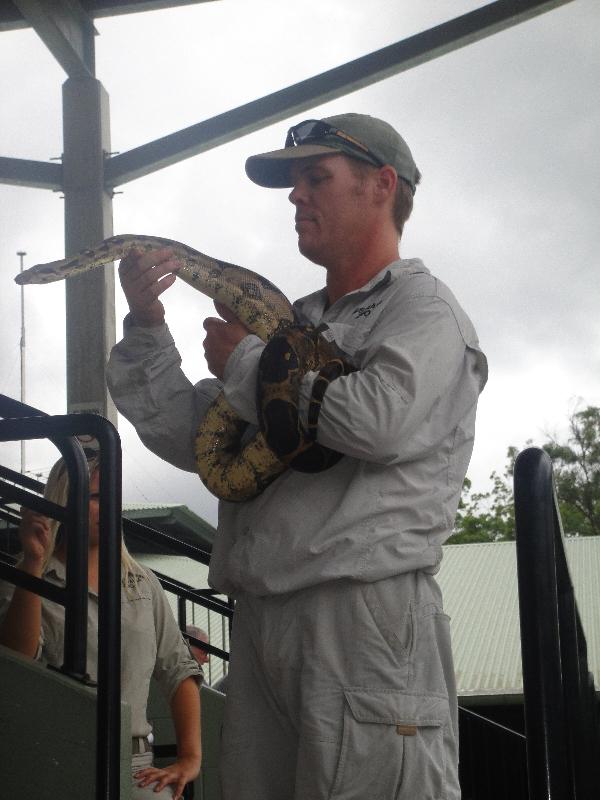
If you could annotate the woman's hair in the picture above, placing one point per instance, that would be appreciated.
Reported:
(57, 490)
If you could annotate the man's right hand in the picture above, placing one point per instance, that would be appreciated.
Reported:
(145, 276)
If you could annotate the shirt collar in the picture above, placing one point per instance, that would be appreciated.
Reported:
(391, 272)
(56, 570)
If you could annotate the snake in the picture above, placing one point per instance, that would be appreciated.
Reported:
(234, 466)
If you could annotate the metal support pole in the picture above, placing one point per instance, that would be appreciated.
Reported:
(181, 613)
(90, 298)
(22, 254)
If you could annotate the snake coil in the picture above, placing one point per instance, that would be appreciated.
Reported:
(230, 470)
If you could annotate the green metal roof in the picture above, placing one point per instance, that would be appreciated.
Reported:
(176, 520)
(479, 582)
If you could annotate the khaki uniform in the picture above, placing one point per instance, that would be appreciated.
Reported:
(151, 643)
(363, 538)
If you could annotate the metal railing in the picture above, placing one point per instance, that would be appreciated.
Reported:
(562, 721)
(22, 422)
(29, 423)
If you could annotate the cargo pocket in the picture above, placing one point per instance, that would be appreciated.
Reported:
(392, 747)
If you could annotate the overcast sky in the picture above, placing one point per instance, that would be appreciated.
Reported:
(506, 133)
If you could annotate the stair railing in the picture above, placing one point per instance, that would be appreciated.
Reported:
(560, 702)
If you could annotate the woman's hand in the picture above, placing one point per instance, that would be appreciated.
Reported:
(184, 770)
(21, 626)
(34, 533)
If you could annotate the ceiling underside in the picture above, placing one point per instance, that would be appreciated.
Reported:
(12, 19)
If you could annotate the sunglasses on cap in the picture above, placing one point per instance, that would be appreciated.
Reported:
(315, 130)
(90, 453)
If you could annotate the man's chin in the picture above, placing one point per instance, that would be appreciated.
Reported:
(308, 250)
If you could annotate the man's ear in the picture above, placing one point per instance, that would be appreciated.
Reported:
(386, 183)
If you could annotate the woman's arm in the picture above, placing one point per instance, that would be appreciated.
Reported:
(21, 624)
(185, 710)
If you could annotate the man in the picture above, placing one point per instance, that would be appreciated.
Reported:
(199, 654)
(341, 681)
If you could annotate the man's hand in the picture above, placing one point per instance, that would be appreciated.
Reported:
(222, 337)
(145, 276)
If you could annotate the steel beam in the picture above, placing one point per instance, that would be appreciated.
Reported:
(66, 30)
(108, 8)
(35, 174)
(330, 85)
(12, 19)
(90, 308)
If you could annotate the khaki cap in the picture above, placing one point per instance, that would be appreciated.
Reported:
(356, 135)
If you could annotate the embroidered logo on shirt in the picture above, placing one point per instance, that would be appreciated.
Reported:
(133, 578)
(365, 311)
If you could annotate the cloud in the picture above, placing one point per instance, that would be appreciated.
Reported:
(505, 132)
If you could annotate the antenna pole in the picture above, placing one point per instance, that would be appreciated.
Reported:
(22, 254)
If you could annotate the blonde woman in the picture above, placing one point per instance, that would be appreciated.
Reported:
(152, 645)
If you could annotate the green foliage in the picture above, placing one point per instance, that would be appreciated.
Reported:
(485, 516)
(576, 466)
(489, 516)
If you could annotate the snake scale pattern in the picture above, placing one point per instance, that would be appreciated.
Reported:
(230, 470)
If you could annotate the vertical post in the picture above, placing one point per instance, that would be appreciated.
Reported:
(224, 639)
(90, 298)
(22, 254)
(181, 613)
(546, 723)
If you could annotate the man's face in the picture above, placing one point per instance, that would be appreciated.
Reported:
(333, 207)
(200, 655)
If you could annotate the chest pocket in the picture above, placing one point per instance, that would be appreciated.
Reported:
(352, 334)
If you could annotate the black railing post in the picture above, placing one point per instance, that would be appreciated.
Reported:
(545, 719)
(561, 707)
(181, 613)
(58, 429)
(108, 725)
(77, 520)
(41, 427)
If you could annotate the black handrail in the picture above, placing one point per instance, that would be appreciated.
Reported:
(108, 732)
(561, 709)
(25, 480)
(60, 429)
(75, 517)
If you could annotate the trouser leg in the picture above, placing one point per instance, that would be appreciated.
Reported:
(259, 743)
(344, 692)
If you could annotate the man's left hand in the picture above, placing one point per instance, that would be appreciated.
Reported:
(222, 337)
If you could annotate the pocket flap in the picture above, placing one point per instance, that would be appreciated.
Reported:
(397, 708)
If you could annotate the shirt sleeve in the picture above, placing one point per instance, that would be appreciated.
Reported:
(149, 389)
(418, 378)
(241, 372)
(174, 661)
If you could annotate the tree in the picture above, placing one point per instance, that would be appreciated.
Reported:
(489, 516)
(486, 516)
(576, 466)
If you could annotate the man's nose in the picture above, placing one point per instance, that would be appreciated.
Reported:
(297, 195)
